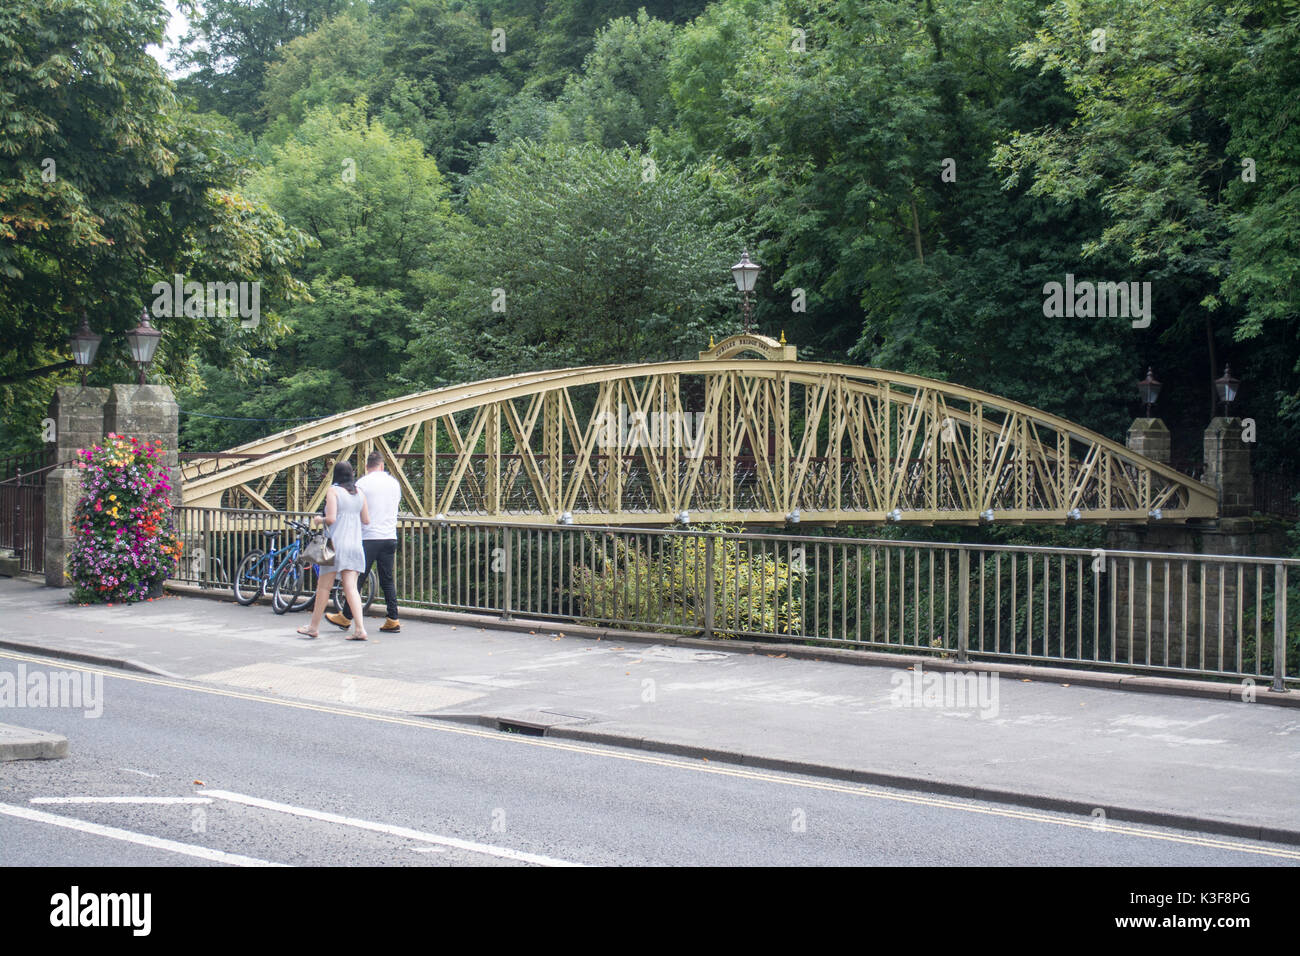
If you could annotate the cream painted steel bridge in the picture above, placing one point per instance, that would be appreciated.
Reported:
(745, 434)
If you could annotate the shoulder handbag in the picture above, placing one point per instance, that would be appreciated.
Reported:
(318, 549)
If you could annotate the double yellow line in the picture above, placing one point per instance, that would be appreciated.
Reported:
(695, 766)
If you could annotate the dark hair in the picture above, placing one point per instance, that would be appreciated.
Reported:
(344, 476)
(374, 458)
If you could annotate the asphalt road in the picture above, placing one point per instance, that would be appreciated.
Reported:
(249, 779)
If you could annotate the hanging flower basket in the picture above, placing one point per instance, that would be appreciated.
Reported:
(125, 544)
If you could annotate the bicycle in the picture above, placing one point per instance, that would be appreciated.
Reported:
(295, 588)
(257, 571)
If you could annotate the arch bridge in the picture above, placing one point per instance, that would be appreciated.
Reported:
(745, 434)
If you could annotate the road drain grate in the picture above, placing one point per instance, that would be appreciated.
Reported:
(515, 727)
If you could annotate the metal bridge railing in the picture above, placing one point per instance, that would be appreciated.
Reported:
(1148, 612)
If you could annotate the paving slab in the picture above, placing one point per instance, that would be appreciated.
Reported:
(1051, 737)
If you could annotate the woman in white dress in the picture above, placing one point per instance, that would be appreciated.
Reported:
(345, 513)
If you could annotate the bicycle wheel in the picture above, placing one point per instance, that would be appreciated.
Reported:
(293, 589)
(366, 589)
(369, 588)
(250, 578)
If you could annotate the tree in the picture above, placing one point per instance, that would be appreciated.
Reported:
(106, 188)
(622, 91)
(576, 255)
(375, 206)
(335, 64)
(231, 42)
(1165, 112)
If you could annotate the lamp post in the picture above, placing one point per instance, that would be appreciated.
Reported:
(1149, 390)
(84, 345)
(143, 341)
(745, 273)
(1227, 388)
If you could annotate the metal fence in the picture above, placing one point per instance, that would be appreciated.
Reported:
(22, 519)
(1202, 615)
(1277, 493)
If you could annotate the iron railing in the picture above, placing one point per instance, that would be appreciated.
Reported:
(1185, 614)
(25, 463)
(22, 518)
(1278, 494)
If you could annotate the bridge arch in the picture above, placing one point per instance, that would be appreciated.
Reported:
(719, 438)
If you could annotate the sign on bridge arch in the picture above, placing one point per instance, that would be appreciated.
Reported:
(761, 345)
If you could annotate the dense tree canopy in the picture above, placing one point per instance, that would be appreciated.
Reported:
(565, 182)
(576, 255)
(107, 187)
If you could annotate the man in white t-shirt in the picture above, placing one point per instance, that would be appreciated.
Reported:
(379, 538)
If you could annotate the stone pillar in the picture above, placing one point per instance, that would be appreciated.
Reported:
(78, 415)
(62, 491)
(83, 416)
(1227, 467)
(149, 413)
(1150, 437)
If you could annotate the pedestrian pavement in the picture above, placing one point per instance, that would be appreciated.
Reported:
(1042, 738)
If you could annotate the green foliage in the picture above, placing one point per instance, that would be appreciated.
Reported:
(817, 134)
(336, 64)
(1163, 119)
(622, 91)
(597, 255)
(375, 206)
(230, 43)
(665, 586)
(106, 187)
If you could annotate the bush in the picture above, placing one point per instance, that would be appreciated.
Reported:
(125, 542)
(753, 590)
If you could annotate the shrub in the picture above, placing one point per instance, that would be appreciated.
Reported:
(753, 590)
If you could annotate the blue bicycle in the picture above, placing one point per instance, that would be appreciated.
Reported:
(294, 588)
(256, 572)
(290, 586)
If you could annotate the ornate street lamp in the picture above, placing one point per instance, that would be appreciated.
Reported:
(1227, 388)
(143, 340)
(746, 274)
(85, 344)
(1148, 390)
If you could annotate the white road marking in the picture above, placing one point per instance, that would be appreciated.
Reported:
(694, 766)
(404, 832)
(143, 839)
(140, 772)
(121, 800)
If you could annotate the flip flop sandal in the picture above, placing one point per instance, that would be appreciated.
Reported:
(305, 632)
